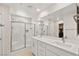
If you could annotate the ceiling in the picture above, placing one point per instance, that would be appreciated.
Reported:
(30, 8)
(71, 9)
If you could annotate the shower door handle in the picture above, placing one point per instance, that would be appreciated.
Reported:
(0, 38)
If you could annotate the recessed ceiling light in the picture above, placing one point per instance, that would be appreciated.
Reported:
(37, 9)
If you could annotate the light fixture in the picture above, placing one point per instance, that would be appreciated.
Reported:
(38, 9)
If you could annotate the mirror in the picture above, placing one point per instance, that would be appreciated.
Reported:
(61, 30)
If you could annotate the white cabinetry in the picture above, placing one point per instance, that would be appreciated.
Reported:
(58, 51)
(34, 47)
(41, 48)
(49, 53)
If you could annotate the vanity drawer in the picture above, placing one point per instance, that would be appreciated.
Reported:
(59, 51)
(41, 44)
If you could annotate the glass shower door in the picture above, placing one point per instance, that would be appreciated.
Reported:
(29, 34)
(18, 36)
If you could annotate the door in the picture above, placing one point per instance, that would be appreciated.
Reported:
(29, 34)
(18, 36)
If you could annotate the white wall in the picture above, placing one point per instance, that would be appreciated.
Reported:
(70, 26)
(66, 15)
(6, 35)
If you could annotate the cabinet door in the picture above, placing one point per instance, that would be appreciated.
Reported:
(59, 51)
(34, 46)
(50, 53)
(41, 44)
(18, 36)
(41, 48)
(41, 52)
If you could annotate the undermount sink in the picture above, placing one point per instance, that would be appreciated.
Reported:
(63, 44)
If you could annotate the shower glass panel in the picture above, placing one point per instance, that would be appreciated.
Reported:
(41, 29)
(18, 36)
(29, 34)
(37, 29)
(45, 30)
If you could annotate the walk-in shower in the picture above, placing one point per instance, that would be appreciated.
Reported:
(22, 31)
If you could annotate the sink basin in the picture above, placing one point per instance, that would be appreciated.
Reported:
(63, 44)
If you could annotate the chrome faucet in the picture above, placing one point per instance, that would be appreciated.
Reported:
(63, 39)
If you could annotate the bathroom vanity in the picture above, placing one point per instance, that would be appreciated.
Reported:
(53, 46)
